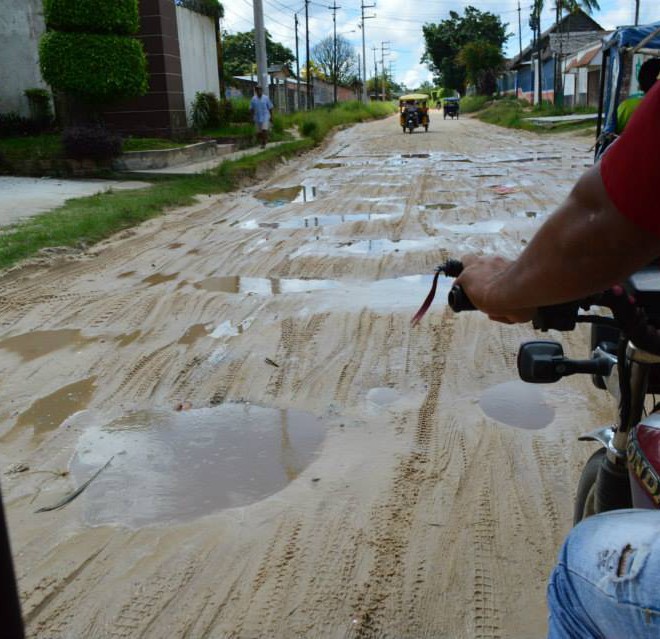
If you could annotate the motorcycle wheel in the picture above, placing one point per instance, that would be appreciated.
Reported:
(586, 491)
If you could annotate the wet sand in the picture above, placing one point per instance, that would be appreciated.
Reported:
(290, 458)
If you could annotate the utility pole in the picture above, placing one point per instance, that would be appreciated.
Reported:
(636, 12)
(365, 97)
(260, 45)
(383, 53)
(297, 100)
(374, 49)
(308, 75)
(519, 32)
(334, 8)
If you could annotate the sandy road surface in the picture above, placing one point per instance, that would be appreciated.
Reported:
(410, 513)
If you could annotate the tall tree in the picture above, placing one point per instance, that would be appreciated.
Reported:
(346, 65)
(482, 62)
(239, 52)
(443, 42)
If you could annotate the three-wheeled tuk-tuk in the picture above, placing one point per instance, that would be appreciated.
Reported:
(414, 111)
(624, 52)
(450, 107)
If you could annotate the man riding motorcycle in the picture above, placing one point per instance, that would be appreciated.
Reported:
(605, 582)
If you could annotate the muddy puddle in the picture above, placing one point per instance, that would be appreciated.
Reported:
(517, 404)
(159, 278)
(420, 156)
(317, 221)
(440, 206)
(194, 333)
(29, 346)
(328, 165)
(288, 195)
(175, 466)
(47, 413)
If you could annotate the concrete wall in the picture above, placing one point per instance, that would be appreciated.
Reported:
(199, 55)
(21, 26)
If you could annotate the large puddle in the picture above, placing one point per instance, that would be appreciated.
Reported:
(263, 285)
(518, 404)
(317, 221)
(290, 194)
(484, 227)
(180, 465)
(366, 247)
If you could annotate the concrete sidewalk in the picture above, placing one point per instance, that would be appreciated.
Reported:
(23, 197)
(204, 165)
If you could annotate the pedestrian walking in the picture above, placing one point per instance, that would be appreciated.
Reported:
(262, 112)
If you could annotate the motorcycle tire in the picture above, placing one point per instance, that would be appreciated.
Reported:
(585, 497)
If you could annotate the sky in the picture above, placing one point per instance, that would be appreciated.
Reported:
(397, 25)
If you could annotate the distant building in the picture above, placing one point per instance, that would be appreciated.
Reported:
(525, 71)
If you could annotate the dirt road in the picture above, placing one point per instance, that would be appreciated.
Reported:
(331, 472)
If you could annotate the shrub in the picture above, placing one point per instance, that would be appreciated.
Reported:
(96, 142)
(278, 123)
(12, 124)
(120, 17)
(41, 110)
(205, 111)
(309, 128)
(95, 68)
(89, 53)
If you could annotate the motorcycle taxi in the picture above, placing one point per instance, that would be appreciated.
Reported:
(414, 111)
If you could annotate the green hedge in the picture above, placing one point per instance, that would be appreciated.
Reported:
(95, 68)
(93, 16)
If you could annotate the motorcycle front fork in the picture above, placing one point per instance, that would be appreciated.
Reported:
(612, 490)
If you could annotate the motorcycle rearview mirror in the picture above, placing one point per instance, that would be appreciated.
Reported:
(540, 362)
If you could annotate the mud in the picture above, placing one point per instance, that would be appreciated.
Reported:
(396, 506)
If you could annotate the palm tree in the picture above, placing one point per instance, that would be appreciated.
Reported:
(535, 25)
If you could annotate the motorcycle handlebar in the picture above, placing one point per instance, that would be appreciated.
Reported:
(630, 318)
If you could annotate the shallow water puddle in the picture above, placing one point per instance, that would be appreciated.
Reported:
(479, 228)
(262, 285)
(366, 247)
(416, 155)
(159, 278)
(442, 206)
(328, 165)
(195, 332)
(518, 404)
(317, 221)
(32, 345)
(47, 413)
(291, 194)
(180, 465)
(128, 338)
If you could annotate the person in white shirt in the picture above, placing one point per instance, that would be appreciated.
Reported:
(262, 112)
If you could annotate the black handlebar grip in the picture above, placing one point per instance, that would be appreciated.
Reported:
(459, 301)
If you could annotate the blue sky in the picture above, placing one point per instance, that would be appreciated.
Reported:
(400, 25)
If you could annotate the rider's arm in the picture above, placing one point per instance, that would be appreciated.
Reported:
(608, 227)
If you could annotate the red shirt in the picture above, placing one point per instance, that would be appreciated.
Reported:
(630, 168)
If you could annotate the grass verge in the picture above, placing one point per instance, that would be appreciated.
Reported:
(84, 221)
(516, 114)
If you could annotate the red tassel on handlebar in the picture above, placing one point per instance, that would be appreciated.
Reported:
(427, 302)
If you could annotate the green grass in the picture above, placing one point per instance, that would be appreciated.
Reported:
(32, 147)
(513, 113)
(472, 103)
(150, 144)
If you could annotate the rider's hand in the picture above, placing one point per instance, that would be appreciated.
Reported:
(482, 280)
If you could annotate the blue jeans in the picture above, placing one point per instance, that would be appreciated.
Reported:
(607, 581)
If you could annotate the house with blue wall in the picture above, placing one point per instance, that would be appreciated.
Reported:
(536, 63)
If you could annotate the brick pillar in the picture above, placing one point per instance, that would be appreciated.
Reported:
(161, 112)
